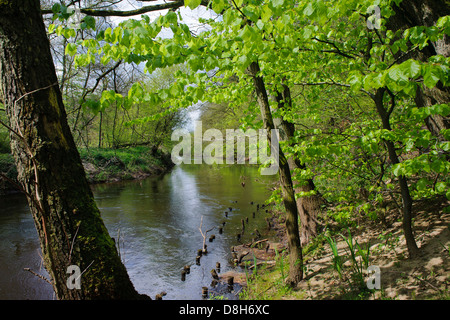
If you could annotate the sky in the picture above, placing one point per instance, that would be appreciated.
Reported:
(190, 17)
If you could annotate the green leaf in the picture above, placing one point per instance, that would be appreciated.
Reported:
(431, 75)
(277, 3)
(251, 12)
(266, 14)
(192, 3)
(422, 184)
(90, 22)
(170, 18)
(441, 187)
(355, 81)
(93, 105)
(260, 24)
(398, 74)
(412, 68)
(71, 49)
(398, 170)
(51, 28)
(218, 6)
(309, 9)
(56, 8)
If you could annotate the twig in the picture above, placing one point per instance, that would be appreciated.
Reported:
(435, 288)
(38, 275)
(85, 270)
(254, 244)
(204, 234)
(118, 243)
(73, 241)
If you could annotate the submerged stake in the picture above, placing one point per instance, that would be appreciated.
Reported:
(204, 292)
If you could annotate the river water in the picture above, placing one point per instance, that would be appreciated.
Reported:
(156, 226)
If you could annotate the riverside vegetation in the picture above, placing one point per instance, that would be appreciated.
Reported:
(359, 91)
(102, 165)
(338, 258)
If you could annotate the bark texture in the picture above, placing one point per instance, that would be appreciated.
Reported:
(411, 13)
(407, 201)
(292, 230)
(309, 206)
(68, 222)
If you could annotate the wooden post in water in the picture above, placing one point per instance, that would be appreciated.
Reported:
(214, 274)
(204, 292)
(187, 268)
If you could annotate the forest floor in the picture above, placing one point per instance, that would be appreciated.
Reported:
(402, 278)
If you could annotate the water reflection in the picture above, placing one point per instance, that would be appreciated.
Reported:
(155, 223)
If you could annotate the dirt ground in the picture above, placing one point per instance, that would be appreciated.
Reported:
(424, 277)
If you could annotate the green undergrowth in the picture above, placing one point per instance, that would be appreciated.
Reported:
(104, 165)
(336, 263)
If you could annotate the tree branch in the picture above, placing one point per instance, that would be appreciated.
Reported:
(332, 83)
(204, 234)
(38, 275)
(337, 50)
(172, 5)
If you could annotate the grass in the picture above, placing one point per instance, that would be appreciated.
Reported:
(103, 165)
(267, 282)
(122, 164)
(128, 157)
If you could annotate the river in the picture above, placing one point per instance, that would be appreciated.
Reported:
(156, 226)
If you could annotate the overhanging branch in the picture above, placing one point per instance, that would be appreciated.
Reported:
(172, 5)
(332, 83)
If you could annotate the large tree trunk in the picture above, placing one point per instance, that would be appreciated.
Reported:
(307, 206)
(68, 222)
(292, 230)
(412, 13)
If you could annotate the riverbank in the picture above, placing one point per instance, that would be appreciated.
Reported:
(132, 163)
(103, 165)
(401, 278)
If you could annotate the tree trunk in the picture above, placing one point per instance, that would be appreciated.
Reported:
(308, 207)
(292, 230)
(403, 183)
(70, 229)
(412, 13)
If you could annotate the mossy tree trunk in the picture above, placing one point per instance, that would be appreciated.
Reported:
(68, 222)
(288, 194)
